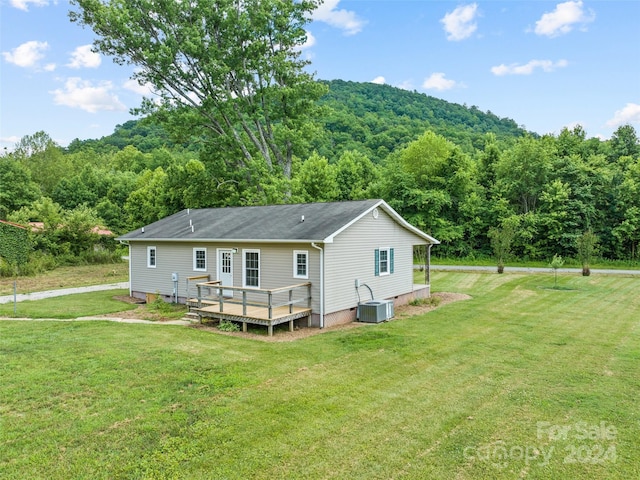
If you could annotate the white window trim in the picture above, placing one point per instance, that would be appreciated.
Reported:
(195, 263)
(295, 263)
(388, 250)
(244, 266)
(155, 257)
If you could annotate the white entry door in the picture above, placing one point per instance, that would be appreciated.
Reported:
(225, 270)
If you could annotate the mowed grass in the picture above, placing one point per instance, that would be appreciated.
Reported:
(67, 277)
(73, 306)
(521, 381)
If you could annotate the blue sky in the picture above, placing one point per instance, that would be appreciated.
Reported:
(544, 64)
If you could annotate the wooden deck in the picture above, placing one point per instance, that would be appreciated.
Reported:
(282, 304)
(255, 315)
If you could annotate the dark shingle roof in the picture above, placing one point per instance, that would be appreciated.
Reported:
(277, 223)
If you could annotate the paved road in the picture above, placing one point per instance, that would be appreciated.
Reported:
(21, 297)
(532, 270)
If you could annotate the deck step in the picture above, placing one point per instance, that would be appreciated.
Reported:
(191, 316)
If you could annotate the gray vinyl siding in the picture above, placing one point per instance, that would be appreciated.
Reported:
(170, 257)
(351, 257)
(276, 266)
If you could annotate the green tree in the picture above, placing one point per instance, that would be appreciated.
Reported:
(229, 68)
(523, 171)
(315, 181)
(354, 174)
(440, 179)
(488, 160)
(16, 187)
(586, 244)
(76, 234)
(148, 202)
(51, 215)
(42, 210)
(422, 207)
(112, 215)
(44, 159)
(556, 222)
(624, 142)
(627, 230)
(556, 263)
(130, 159)
(501, 241)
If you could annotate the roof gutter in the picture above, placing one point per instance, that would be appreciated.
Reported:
(217, 240)
(314, 245)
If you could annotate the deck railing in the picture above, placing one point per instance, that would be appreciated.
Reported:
(192, 285)
(275, 297)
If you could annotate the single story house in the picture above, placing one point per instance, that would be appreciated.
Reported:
(324, 259)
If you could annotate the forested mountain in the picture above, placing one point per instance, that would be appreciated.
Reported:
(462, 175)
(377, 119)
(145, 135)
(370, 118)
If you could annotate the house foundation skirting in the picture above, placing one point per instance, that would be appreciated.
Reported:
(349, 315)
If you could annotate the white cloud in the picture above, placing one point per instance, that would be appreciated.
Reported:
(24, 4)
(145, 90)
(437, 82)
(310, 42)
(379, 80)
(83, 57)
(563, 19)
(8, 144)
(528, 68)
(49, 67)
(78, 93)
(27, 55)
(406, 85)
(459, 24)
(345, 20)
(629, 114)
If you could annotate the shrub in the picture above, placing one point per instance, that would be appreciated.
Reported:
(160, 306)
(416, 302)
(228, 326)
(38, 263)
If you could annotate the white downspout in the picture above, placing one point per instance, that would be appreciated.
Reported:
(313, 244)
(130, 270)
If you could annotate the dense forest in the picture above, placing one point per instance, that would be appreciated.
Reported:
(454, 171)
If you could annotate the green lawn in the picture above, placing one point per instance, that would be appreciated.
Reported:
(521, 381)
(80, 305)
(67, 277)
(483, 261)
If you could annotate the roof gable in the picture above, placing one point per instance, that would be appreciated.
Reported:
(309, 222)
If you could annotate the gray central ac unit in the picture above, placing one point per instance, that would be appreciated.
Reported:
(375, 311)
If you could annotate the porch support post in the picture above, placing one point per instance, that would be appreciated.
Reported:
(291, 325)
(244, 327)
(290, 299)
(270, 329)
(427, 267)
(244, 303)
